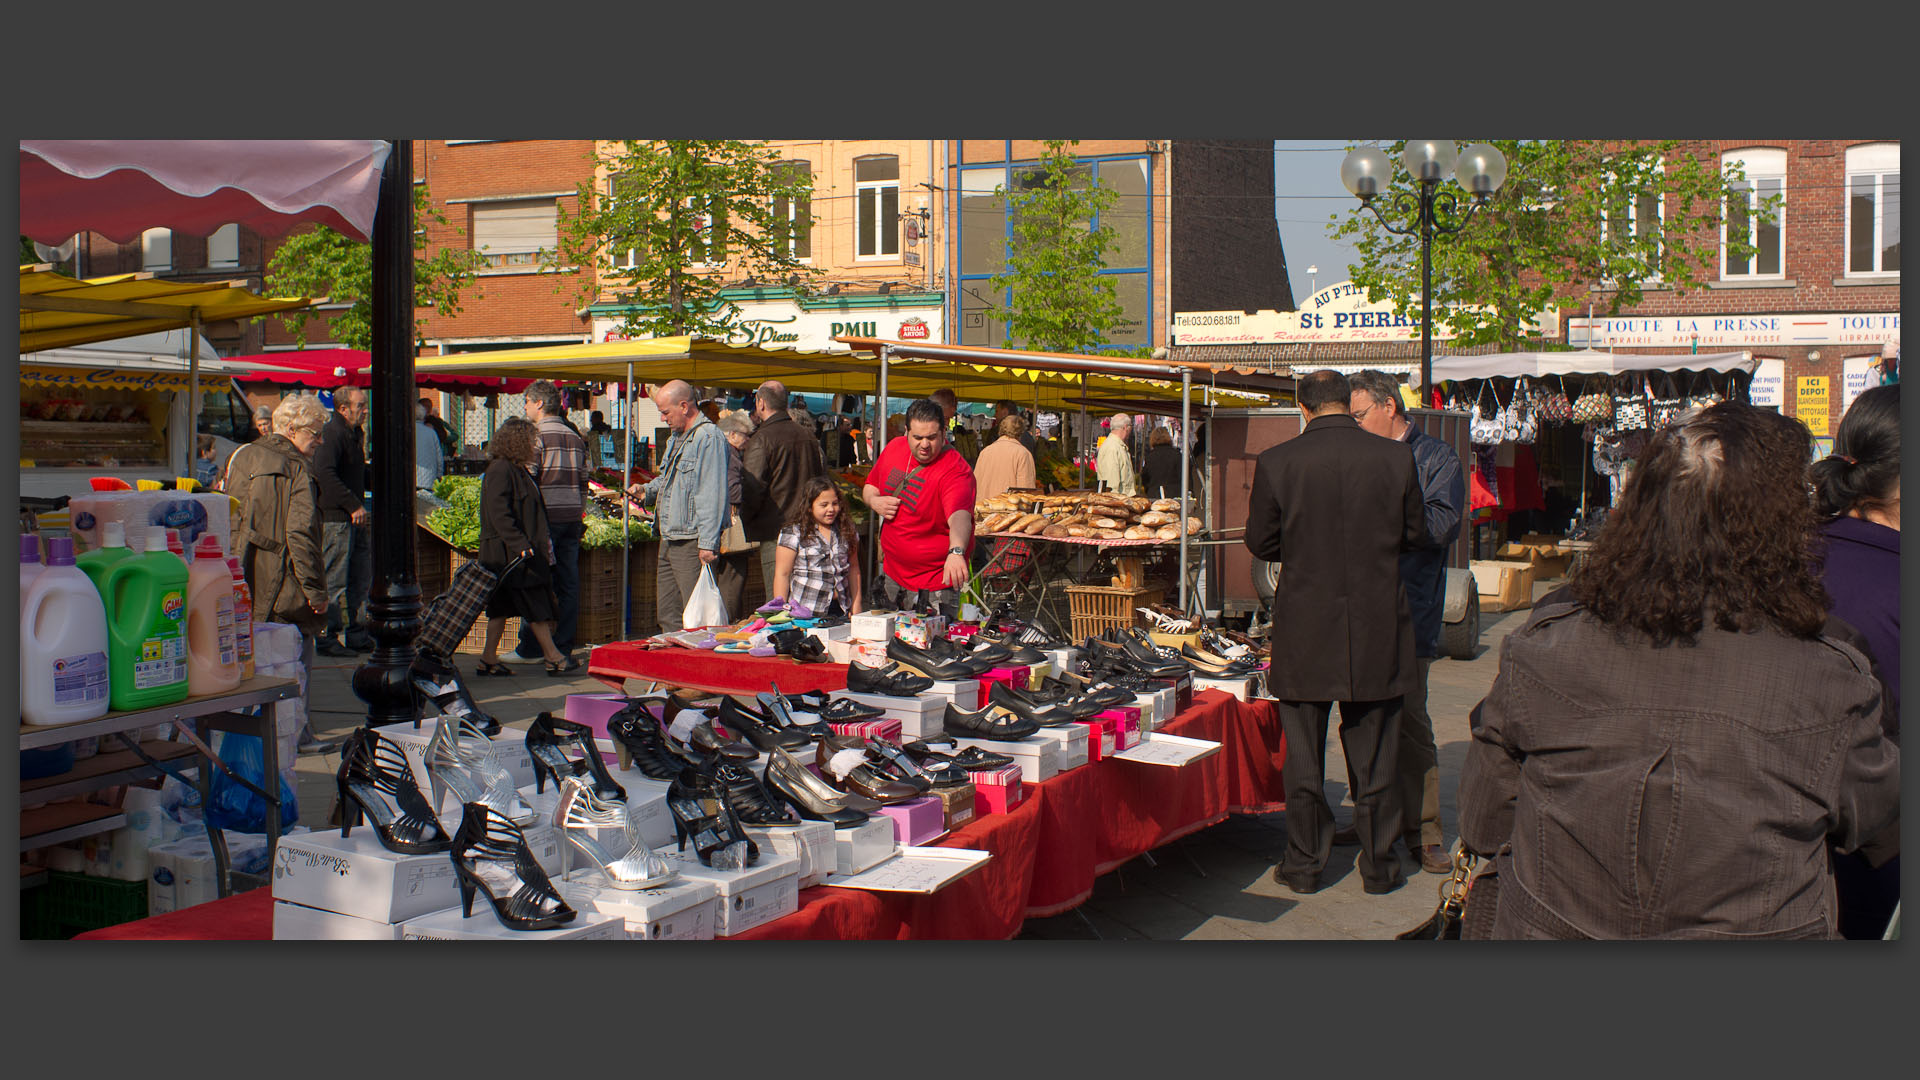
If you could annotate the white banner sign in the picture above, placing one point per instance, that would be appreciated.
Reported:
(1732, 331)
(1769, 385)
(1336, 313)
(782, 324)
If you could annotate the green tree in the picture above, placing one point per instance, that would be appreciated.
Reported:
(321, 262)
(1060, 301)
(672, 214)
(1570, 214)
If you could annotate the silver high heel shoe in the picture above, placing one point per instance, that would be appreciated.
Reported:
(460, 759)
(583, 818)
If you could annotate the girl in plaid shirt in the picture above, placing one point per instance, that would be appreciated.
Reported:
(815, 563)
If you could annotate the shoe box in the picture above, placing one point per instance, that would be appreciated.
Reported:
(880, 728)
(919, 717)
(761, 893)
(1061, 659)
(1244, 688)
(916, 822)
(827, 635)
(871, 654)
(646, 801)
(680, 910)
(1015, 677)
(840, 652)
(811, 842)
(298, 922)
(862, 846)
(997, 791)
(917, 628)
(1126, 728)
(594, 710)
(1073, 743)
(451, 925)
(956, 804)
(182, 873)
(872, 626)
(356, 876)
(965, 694)
(1038, 759)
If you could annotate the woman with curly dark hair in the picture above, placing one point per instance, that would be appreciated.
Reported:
(513, 525)
(1673, 738)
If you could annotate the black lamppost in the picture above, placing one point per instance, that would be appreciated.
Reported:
(1481, 170)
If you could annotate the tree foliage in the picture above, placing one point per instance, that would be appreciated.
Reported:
(1060, 301)
(1554, 227)
(321, 262)
(670, 214)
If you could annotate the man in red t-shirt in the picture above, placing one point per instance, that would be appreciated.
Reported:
(923, 490)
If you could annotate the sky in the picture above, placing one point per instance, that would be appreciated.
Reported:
(1306, 188)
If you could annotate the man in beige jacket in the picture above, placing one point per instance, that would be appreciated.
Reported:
(1114, 466)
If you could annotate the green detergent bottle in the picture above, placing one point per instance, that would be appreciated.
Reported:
(112, 549)
(146, 598)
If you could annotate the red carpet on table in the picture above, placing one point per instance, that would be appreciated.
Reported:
(719, 673)
(1046, 853)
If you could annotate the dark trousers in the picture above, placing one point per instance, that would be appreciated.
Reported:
(1370, 736)
(1419, 766)
(566, 589)
(730, 574)
(348, 551)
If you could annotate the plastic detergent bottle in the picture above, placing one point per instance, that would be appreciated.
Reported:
(63, 644)
(29, 564)
(213, 662)
(146, 598)
(113, 548)
(174, 544)
(242, 618)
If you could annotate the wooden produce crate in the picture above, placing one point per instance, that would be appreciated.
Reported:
(1095, 609)
(601, 606)
(643, 589)
(432, 562)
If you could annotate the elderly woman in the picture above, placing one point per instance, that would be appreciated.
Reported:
(737, 553)
(513, 525)
(1674, 738)
(262, 421)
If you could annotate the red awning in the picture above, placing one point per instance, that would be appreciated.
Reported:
(324, 369)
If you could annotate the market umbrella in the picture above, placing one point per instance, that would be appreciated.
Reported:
(324, 369)
(60, 312)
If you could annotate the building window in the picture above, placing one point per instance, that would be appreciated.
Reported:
(620, 258)
(876, 184)
(796, 213)
(708, 245)
(223, 248)
(511, 234)
(1644, 215)
(1873, 209)
(156, 250)
(1766, 177)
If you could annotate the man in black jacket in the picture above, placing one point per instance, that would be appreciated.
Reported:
(1335, 507)
(782, 456)
(340, 467)
(1377, 409)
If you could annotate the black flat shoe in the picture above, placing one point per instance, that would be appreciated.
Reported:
(560, 748)
(993, 722)
(925, 663)
(703, 740)
(970, 759)
(886, 681)
(895, 762)
(1003, 696)
(849, 711)
(377, 786)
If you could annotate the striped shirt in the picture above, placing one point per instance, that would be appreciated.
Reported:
(563, 469)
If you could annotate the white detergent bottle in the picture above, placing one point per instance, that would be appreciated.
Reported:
(29, 564)
(63, 644)
(213, 659)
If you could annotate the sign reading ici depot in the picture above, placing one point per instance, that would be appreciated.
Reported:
(1336, 313)
(783, 324)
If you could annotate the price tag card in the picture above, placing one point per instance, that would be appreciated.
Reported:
(1174, 750)
(915, 870)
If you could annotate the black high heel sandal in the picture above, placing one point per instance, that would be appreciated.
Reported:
(639, 743)
(438, 683)
(549, 740)
(701, 813)
(377, 786)
(490, 852)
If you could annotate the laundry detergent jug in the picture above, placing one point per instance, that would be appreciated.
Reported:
(213, 658)
(146, 600)
(63, 644)
(113, 548)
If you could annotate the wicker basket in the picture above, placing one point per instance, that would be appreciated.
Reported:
(1099, 608)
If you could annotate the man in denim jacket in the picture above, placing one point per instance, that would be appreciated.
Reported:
(689, 498)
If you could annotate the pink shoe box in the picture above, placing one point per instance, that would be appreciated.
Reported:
(1020, 677)
(997, 791)
(917, 821)
(868, 653)
(1100, 737)
(1126, 728)
(962, 633)
(882, 728)
(594, 710)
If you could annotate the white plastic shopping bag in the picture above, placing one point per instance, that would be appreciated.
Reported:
(704, 607)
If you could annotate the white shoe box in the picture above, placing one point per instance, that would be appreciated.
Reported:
(863, 846)
(1242, 689)
(761, 893)
(1038, 758)
(920, 717)
(1070, 741)
(450, 925)
(1061, 659)
(298, 922)
(963, 693)
(829, 634)
(683, 909)
(872, 626)
(510, 748)
(356, 876)
(646, 801)
(840, 652)
(811, 842)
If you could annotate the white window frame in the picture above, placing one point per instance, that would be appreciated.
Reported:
(226, 237)
(1878, 160)
(156, 250)
(1757, 163)
(860, 188)
(1633, 220)
(793, 209)
(632, 254)
(528, 265)
(704, 215)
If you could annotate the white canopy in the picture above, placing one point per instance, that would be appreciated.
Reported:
(1583, 362)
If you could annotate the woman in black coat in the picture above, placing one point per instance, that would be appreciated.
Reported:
(513, 523)
(1160, 473)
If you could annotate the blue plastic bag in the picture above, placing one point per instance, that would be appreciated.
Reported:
(236, 807)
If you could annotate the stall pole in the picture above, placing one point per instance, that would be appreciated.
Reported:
(1080, 457)
(193, 388)
(872, 587)
(394, 607)
(626, 513)
(1186, 452)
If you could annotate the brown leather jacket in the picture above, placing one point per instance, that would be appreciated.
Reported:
(276, 532)
(1682, 792)
(783, 456)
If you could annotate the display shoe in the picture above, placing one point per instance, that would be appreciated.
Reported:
(849, 711)
(698, 802)
(922, 662)
(1220, 670)
(561, 748)
(1128, 657)
(702, 740)
(778, 603)
(992, 722)
(1005, 697)
(1015, 652)
(889, 681)
(1217, 659)
(937, 770)
(490, 854)
(1105, 695)
(813, 797)
(438, 683)
(583, 819)
(850, 771)
(1220, 646)
(970, 759)
(461, 760)
(750, 798)
(992, 655)
(377, 786)
(798, 644)
(789, 715)
(893, 762)
(1141, 644)
(639, 743)
(756, 728)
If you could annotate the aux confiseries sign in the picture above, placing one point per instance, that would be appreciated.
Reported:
(1336, 313)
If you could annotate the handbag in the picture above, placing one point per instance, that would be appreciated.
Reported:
(1664, 409)
(1592, 407)
(1630, 406)
(1522, 427)
(734, 540)
(1701, 393)
(1467, 903)
(1486, 428)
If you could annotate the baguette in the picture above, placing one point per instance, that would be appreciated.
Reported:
(1038, 524)
(1109, 534)
(1103, 522)
(1138, 505)
(992, 522)
(1020, 523)
(1077, 530)
(1165, 504)
(1168, 532)
(1154, 518)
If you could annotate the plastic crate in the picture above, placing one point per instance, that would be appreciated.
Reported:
(70, 904)
(1095, 609)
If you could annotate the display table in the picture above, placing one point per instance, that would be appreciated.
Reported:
(714, 672)
(1046, 853)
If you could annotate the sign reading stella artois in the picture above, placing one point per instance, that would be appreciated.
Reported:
(913, 329)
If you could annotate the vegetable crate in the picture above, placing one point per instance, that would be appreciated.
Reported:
(601, 608)
(70, 904)
(1098, 608)
(433, 562)
(642, 589)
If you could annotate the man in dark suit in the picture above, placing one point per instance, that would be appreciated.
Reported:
(1335, 507)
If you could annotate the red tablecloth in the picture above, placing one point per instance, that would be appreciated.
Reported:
(719, 673)
(1046, 853)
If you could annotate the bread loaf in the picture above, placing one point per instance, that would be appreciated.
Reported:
(1138, 504)
(1035, 527)
(1054, 530)
(1077, 530)
(1165, 504)
(1154, 518)
(1109, 534)
(1168, 532)
(1138, 532)
(1104, 522)
(1193, 525)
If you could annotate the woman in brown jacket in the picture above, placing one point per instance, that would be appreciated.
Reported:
(1673, 739)
(276, 533)
(513, 524)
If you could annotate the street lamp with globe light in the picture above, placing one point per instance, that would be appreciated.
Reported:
(1480, 169)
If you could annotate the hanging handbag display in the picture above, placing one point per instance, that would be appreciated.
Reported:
(1522, 427)
(1664, 408)
(1485, 428)
(1551, 404)
(1701, 393)
(1629, 404)
(1593, 406)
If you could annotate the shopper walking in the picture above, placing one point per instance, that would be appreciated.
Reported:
(1335, 507)
(1674, 738)
(923, 491)
(1114, 465)
(428, 464)
(562, 473)
(689, 498)
(1160, 472)
(781, 456)
(513, 525)
(340, 467)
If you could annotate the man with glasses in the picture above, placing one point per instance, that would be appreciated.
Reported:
(340, 468)
(689, 499)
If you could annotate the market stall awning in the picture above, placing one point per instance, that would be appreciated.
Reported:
(121, 188)
(1096, 380)
(1582, 362)
(324, 369)
(164, 373)
(57, 311)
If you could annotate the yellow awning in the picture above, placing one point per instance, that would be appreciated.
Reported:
(57, 311)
